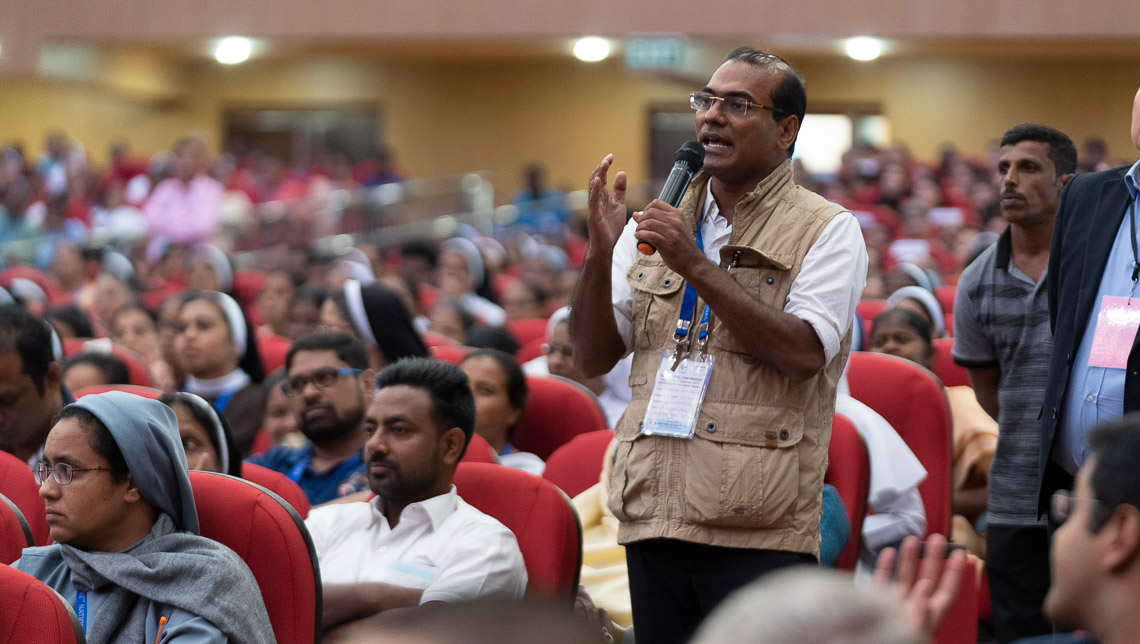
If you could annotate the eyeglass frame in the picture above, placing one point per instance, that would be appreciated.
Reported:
(777, 112)
(41, 468)
(291, 392)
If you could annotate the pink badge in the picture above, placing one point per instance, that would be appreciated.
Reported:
(1116, 326)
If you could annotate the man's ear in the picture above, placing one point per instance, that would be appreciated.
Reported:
(52, 377)
(1062, 180)
(1122, 537)
(452, 443)
(789, 129)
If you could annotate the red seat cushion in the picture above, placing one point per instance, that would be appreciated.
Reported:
(273, 349)
(539, 515)
(577, 465)
(18, 484)
(279, 484)
(949, 372)
(524, 331)
(453, 354)
(15, 535)
(556, 411)
(33, 612)
(479, 451)
(849, 470)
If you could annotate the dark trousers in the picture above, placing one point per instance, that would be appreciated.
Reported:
(674, 584)
(1017, 564)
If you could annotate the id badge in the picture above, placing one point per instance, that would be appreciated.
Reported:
(677, 395)
(1116, 325)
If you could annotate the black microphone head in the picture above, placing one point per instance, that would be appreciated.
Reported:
(691, 154)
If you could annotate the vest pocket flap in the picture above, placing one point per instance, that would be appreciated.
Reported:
(756, 258)
(771, 427)
(657, 279)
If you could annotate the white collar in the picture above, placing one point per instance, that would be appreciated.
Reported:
(213, 387)
(437, 508)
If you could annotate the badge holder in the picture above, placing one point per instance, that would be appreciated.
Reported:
(681, 383)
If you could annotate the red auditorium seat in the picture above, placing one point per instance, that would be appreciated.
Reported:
(19, 485)
(868, 310)
(950, 373)
(539, 515)
(15, 535)
(556, 411)
(453, 354)
(138, 373)
(272, 348)
(960, 625)
(273, 541)
(479, 451)
(247, 285)
(279, 484)
(945, 294)
(55, 294)
(849, 470)
(524, 331)
(145, 392)
(577, 465)
(531, 350)
(436, 340)
(912, 400)
(33, 612)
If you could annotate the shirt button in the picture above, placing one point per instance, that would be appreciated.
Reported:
(1090, 397)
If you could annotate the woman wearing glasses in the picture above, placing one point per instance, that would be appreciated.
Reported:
(127, 553)
(217, 348)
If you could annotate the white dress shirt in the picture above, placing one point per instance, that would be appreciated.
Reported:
(442, 545)
(822, 295)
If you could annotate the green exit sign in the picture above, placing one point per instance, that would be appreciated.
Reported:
(655, 53)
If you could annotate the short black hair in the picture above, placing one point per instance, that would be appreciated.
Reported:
(790, 96)
(421, 248)
(348, 349)
(101, 441)
(30, 337)
(453, 404)
(113, 369)
(1115, 479)
(1062, 152)
(512, 374)
(483, 336)
(73, 317)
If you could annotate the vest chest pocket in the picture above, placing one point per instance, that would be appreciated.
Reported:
(656, 302)
(765, 277)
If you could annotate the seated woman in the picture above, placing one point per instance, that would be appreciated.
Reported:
(463, 278)
(215, 343)
(206, 436)
(374, 315)
(904, 333)
(277, 418)
(136, 330)
(500, 397)
(127, 551)
(922, 302)
(90, 369)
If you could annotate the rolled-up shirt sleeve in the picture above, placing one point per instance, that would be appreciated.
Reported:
(621, 293)
(831, 279)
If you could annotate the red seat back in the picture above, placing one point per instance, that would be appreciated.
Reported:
(279, 484)
(33, 612)
(437, 340)
(272, 348)
(912, 400)
(15, 535)
(577, 465)
(849, 470)
(539, 515)
(479, 451)
(525, 331)
(273, 541)
(945, 294)
(145, 392)
(556, 411)
(18, 484)
(960, 625)
(453, 354)
(247, 285)
(949, 372)
(531, 350)
(55, 294)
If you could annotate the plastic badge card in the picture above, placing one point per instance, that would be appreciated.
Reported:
(1116, 326)
(677, 396)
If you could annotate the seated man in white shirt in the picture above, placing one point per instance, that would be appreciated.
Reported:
(417, 541)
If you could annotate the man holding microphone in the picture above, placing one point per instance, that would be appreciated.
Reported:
(739, 325)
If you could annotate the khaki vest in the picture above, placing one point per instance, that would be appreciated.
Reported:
(752, 477)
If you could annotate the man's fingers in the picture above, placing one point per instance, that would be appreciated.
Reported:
(932, 561)
(601, 168)
(947, 589)
(908, 562)
(884, 566)
(619, 187)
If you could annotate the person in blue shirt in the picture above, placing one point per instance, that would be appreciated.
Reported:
(329, 385)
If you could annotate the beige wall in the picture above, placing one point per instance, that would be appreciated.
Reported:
(454, 116)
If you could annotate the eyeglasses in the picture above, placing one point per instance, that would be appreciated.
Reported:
(736, 106)
(1063, 504)
(63, 473)
(567, 351)
(322, 378)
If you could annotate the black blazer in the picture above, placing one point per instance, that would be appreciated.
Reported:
(1092, 208)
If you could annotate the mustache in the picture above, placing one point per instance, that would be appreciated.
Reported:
(1011, 194)
(380, 460)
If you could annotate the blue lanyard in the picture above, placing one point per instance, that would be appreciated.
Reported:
(299, 468)
(81, 609)
(689, 302)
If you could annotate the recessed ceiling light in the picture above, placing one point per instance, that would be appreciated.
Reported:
(591, 49)
(864, 48)
(233, 50)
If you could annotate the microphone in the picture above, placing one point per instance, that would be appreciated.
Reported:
(688, 160)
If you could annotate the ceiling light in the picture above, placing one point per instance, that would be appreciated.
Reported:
(864, 48)
(233, 50)
(591, 49)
